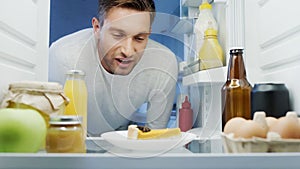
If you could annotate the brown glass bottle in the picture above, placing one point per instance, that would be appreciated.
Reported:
(236, 92)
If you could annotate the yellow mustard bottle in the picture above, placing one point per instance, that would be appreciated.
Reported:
(75, 89)
(211, 53)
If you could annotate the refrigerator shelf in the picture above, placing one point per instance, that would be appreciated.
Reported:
(206, 77)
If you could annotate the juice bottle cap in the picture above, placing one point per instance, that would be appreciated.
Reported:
(75, 72)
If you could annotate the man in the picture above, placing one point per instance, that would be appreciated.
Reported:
(124, 68)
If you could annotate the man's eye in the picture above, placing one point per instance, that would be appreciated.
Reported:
(118, 36)
(139, 38)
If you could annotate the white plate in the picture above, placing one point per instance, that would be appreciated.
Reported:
(119, 139)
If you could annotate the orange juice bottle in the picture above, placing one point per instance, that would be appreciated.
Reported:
(75, 89)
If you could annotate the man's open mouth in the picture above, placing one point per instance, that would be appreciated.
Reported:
(124, 62)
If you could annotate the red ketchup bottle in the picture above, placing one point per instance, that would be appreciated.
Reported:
(185, 116)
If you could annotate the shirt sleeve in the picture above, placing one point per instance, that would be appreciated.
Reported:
(57, 67)
(64, 53)
(160, 104)
(162, 96)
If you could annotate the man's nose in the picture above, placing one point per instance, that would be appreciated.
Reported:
(128, 47)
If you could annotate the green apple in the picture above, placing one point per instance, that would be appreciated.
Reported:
(21, 130)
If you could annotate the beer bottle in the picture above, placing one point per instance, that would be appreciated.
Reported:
(236, 92)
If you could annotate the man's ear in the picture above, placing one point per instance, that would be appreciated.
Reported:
(96, 26)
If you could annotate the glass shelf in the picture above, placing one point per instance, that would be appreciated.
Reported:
(206, 77)
(177, 159)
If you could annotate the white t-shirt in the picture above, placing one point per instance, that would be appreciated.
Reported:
(113, 99)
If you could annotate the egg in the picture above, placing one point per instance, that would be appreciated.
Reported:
(242, 128)
(271, 121)
(233, 124)
(251, 129)
(287, 126)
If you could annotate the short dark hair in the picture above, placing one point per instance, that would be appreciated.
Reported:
(104, 6)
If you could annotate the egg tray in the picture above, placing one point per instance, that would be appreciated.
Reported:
(256, 144)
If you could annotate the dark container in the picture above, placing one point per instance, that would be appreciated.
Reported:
(272, 98)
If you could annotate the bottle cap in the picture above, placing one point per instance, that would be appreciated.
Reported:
(211, 32)
(236, 50)
(75, 72)
(205, 5)
(236, 47)
(186, 104)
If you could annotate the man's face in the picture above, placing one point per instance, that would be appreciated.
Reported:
(122, 39)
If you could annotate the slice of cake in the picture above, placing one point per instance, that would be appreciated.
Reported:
(140, 132)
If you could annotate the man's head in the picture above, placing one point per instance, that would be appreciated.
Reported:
(122, 30)
(140, 5)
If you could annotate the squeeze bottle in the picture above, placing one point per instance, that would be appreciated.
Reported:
(185, 116)
(211, 53)
(204, 21)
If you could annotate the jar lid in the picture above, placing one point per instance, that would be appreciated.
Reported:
(36, 85)
(65, 120)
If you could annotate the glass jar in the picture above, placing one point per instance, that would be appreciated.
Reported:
(65, 135)
(46, 97)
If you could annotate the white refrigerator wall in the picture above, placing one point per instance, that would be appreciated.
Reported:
(24, 41)
(272, 43)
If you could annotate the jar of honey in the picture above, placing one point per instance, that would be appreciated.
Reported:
(65, 135)
(45, 97)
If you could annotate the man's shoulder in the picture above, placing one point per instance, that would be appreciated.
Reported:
(67, 50)
(74, 39)
(155, 44)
